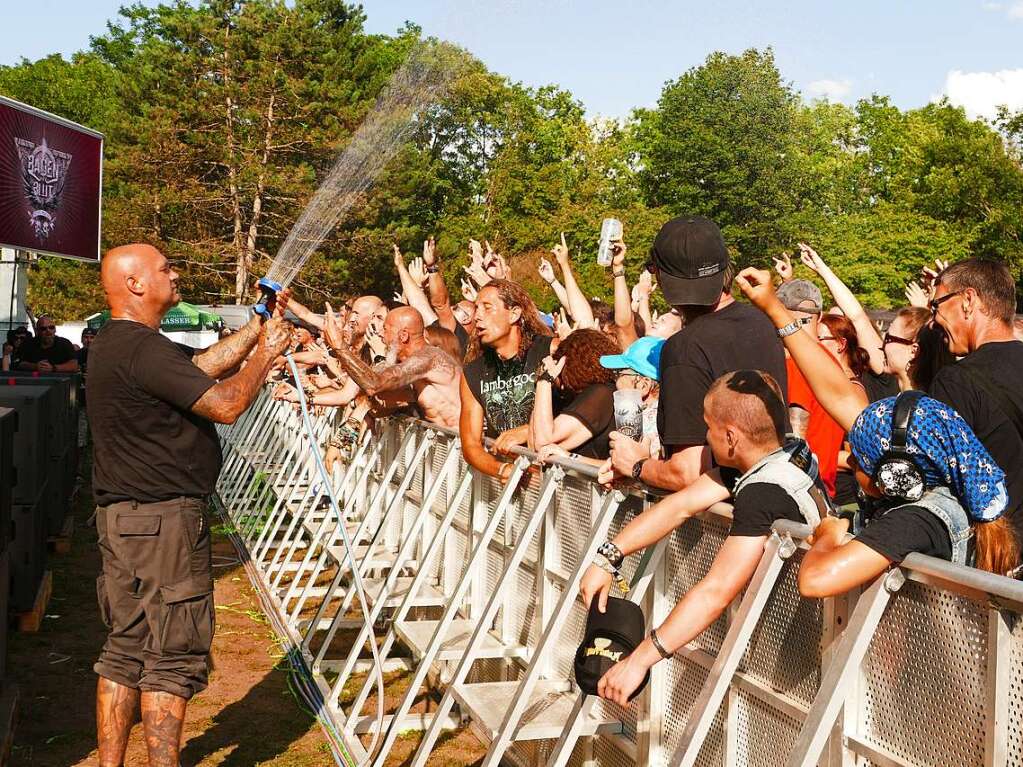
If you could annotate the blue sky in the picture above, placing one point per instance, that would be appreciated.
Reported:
(616, 55)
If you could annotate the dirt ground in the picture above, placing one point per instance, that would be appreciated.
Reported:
(246, 717)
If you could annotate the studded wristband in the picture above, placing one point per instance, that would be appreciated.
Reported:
(611, 553)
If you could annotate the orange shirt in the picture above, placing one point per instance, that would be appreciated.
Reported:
(823, 433)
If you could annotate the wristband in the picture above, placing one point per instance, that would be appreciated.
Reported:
(616, 575)
(637, 468)
(611, 553)
(792, 327)
(433, 269)
(618, 274)
(658, 646)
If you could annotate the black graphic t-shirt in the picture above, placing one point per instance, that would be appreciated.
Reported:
(505, 388)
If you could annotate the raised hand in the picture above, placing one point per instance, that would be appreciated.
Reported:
(561, 252)
(375, 341)
(563, 329)
(810, 258)
(476, 252)
(916, 295)
(417, 271)
(399, 259)
(546, 270)
(645, 285)
(332, 332)
(783, 266)
(400, 298)
(429, 252)
(469, 293)
(275, 335)
(554, 367)
(617, 253)
(756, 286)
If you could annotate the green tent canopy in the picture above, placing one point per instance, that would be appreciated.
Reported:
(184, 316)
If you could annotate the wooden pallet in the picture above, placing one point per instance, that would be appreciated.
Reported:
(8, 717)
(61, 543)
(31, 620)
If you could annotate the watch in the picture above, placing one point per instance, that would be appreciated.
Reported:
(637, 468)
(792, 327)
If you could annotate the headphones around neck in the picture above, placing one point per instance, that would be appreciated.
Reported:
(897, 474)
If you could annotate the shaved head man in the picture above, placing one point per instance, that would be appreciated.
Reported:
(432, 373)
(47, 352)
(745, 416)
(152, 406)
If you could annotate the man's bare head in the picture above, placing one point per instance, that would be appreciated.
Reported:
(360, 315)
(403, 330)
(744, 409)
(138, 281)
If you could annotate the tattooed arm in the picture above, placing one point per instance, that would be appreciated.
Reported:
(228, 353)
(417, 367)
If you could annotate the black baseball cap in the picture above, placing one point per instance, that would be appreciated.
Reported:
(609, 637)
(691, 259)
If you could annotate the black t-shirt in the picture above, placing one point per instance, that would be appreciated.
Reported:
(758, 506)
(738, 337)
(1002, 363)
(148, 445)
(899, 532)
(505, 388)
(594, 408)
(879, 385)
(32, 351)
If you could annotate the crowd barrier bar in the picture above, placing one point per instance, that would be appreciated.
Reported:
(478, 583)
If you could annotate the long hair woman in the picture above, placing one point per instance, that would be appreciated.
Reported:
(585, 423)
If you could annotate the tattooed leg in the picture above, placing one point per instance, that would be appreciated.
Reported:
(163, 718)
(115, 714)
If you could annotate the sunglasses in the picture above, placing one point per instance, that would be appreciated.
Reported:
(934, 303)
(890, 339)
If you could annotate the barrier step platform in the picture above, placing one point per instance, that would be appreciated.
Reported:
(381, 560)
(417, 635)
(550, 705)
(61, 544)
(31, 620)
(429, 594)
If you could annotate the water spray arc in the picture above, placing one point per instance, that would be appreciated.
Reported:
(416, 85)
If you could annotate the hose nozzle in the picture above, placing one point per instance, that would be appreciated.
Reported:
(269, 290)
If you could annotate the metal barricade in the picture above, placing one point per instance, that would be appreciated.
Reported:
(473, 585)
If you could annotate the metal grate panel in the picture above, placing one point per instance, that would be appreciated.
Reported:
(682, 686)
(763, 735)
(693, 548)
(924, 678)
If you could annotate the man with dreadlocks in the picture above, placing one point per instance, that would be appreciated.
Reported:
(499, 378)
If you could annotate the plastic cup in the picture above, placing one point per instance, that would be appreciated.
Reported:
(610, 230)
(629, 413)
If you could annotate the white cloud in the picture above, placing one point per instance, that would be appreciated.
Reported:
(832, 90)
(1014, 10)
(981, 93)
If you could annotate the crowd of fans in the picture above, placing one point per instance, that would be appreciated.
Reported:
(753, 387)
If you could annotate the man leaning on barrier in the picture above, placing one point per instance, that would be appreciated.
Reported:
(745, 416)
(152, 406)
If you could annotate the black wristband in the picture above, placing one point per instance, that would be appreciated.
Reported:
(432, 269)
(637, 468)
(658, 646)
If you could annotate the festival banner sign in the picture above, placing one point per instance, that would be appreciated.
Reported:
(51, 174)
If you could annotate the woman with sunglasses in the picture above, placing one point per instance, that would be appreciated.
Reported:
(947, 498)
(915, 348)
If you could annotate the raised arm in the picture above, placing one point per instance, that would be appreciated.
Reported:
(866, 333)
(412, 286)
(843, 399)
(229, 352)
(625, 322)
(644, 286)
(577, 306)
(832, 567)
(546, 271)
(308, 316)
(436, 288)
(226, 400)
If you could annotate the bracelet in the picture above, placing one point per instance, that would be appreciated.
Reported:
(432, 269)
(637, 468)
(792, 327)
(611, 553)
(658, 646)
(601, 561)
(618, 274)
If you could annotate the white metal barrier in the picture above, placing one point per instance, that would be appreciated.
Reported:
(473, 586)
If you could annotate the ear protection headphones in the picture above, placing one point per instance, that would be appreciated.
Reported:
(897, 474)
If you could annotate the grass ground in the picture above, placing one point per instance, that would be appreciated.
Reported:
(246, 717)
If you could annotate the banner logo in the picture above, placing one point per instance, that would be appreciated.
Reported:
(43, 171)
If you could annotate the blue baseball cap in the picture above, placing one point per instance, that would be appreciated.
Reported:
(643, 356)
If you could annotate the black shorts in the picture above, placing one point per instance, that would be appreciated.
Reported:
(156, 595)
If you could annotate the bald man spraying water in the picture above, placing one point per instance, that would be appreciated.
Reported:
(152, 406)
